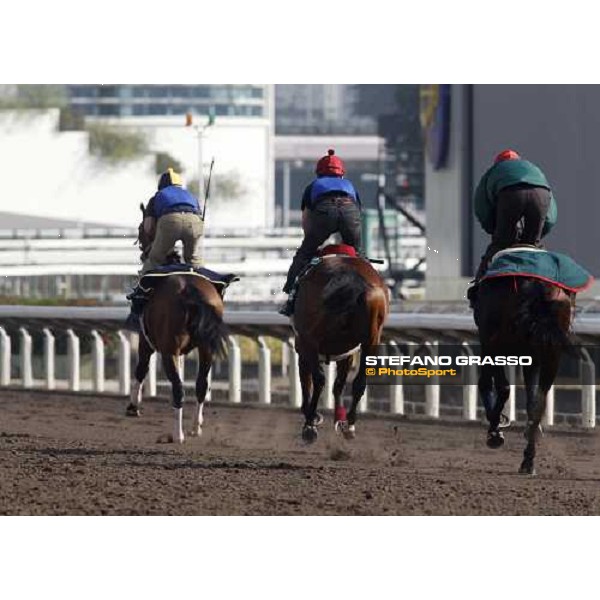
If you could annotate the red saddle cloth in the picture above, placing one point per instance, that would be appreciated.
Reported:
(344, 249)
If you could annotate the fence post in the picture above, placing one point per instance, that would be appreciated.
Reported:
(208, 396)
(25, 358)
(512, 397)
(588, 389)
(5, 350)
(330, 372)
(396, 392)
(235, 371)
(97, 362)
(285, 358)
(470, 389)
(152, 376)
(549, 414)
(124, 364)
(432, 390)
(49, 359)
(73, 354)
(294, 376)
(181, 368)
(264, 371)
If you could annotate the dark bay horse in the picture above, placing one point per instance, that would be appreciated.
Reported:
(184, 313)
(341, 305)
(521, 316)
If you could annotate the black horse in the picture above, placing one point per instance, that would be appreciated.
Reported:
(521, 316)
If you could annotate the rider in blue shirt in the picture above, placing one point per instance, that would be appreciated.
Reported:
(330, 204)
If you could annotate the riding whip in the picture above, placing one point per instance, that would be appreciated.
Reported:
(207, 190)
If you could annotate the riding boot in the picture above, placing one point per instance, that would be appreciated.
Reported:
(287, 310)
(138, 302)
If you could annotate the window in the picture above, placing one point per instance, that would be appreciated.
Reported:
(157, 109)
(108, 109)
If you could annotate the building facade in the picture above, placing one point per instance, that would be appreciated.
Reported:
(231, 100)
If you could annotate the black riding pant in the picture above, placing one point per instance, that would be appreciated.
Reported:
(514, 203)
(330, 215)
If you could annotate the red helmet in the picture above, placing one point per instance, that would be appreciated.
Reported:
(331, 165)
(507, 155)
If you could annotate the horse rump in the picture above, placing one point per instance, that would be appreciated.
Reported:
(343, 296)
(541, 317)
(205, 326)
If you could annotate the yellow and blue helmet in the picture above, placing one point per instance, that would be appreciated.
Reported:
(169, 177)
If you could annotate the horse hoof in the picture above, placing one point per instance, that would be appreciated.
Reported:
(195, 434)
(310, 434)
(340, 427)
(504, 422)
(495, 440)
(318, 419)
(133, 411)
(526, 469)
(350, 432)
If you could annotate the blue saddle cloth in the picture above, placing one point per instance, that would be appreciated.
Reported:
(220, 280)
(553, 267)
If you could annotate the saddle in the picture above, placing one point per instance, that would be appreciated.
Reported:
(221, 281)
(332, 250)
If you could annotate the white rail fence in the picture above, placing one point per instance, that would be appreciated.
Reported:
(407, 329)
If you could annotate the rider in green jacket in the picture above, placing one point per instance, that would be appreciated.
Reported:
(511, 190)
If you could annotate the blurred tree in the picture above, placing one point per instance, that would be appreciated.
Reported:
(71, 120)
(226, 187)
(163, 160)
(116, 145)
(34, 96)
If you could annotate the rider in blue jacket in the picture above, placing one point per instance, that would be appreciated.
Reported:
(330, 204)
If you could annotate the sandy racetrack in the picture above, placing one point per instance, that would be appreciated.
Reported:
(80, 455)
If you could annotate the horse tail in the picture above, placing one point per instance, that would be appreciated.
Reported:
(538, 316)
(343, 296)
(205, 326)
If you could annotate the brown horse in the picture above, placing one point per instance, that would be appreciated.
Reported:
(184, 312)
(521, 316)
(341, 306)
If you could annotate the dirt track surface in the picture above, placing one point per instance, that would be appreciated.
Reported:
(69, 455)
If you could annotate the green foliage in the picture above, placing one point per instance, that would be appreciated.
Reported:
(228, 187)
(163, 160)
(71, 120)
(193, 187)
(224, 187)
(34, 96)
(114, 145)
(54, 301)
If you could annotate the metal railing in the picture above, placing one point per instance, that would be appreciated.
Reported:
(412, 329)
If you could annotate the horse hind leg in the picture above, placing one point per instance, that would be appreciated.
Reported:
(495, 437)
(340, 416)
(204, 366)
(359, 385)
(311, 416)
(536, 409)
(141, 370)
(171, 367)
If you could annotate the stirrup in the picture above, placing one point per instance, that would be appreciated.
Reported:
(133, 323)
(287, 310)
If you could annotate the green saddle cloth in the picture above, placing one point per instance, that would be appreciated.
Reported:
(553, 267)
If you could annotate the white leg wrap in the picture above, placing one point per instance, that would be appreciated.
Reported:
(198, 419)
(136, 393)
(178, 436)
